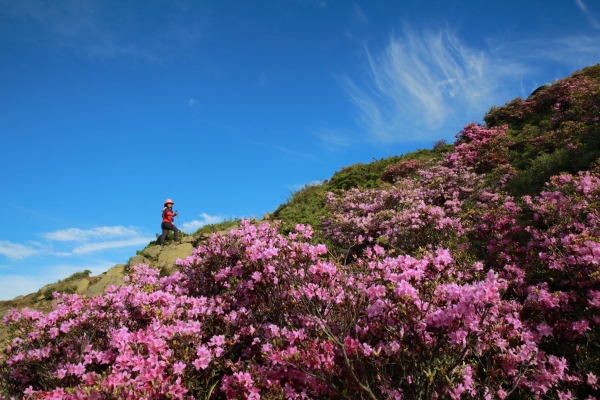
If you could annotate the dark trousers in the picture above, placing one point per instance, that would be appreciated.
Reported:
(166, 227)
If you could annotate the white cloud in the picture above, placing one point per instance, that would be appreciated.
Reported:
(589, 15)
(85, 241)
(17, 251)
(92, 247)
(194, 225)
(420, 82)
(102, 232)
(192, 102)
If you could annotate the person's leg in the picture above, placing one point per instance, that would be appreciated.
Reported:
(163, 236)
(176, 232)
(165, 230)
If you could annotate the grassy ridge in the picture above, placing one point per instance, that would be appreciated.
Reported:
(307, 205)
(554, 130)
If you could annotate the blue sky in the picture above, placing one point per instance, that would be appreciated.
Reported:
(109, 107)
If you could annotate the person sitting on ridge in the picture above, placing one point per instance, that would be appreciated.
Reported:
(167, 222)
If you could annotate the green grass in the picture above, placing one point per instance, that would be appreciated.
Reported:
(205, 230)
(76, 276)
(307, 205)
(221, 226)
(48, 293)
(545, 142)
(170, 238)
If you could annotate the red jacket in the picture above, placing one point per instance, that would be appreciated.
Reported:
(167, 215)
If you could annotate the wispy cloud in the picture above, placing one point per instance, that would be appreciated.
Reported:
(194, 225)
(359, 14)
(17, 251)
(192, 102)
(575, 51)
(85, 241)
(333, 139)
(421, 81)
(581, 5)
(592, 19)
(112, 244)
(102, 232)
(75, 24)
(90, 28)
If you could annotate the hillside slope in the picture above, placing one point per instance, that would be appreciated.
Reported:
(467, 270)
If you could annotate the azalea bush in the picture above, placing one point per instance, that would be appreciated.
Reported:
(146, 339)
(555, 130)
(437, 280)
(257, 314)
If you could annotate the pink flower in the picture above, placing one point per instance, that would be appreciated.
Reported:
(60, 373)
(565, 395)
(592, 380)
(581, 326)
(204, 357)
(458, 337)
(544, 330)
(178, 368)
(376, 291)
(351, 345)
(218, 340)
(501, 393)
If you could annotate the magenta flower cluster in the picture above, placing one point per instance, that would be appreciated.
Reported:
(440, 285)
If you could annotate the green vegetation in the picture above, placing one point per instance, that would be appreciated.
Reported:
(307, 205)
(205, 230)
(47, 293)
(61, 287)
(76, 276)
(556, 129)
(170, 238)
(221, 226)
(162, 272)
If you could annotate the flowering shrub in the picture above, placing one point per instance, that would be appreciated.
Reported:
(555, 130)
(397, 328)
(399, 170)
(144, 340)
(265, 316)
(545, 249)
(398, 217)
(444, 284)
(570, 99)
(481, 148)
